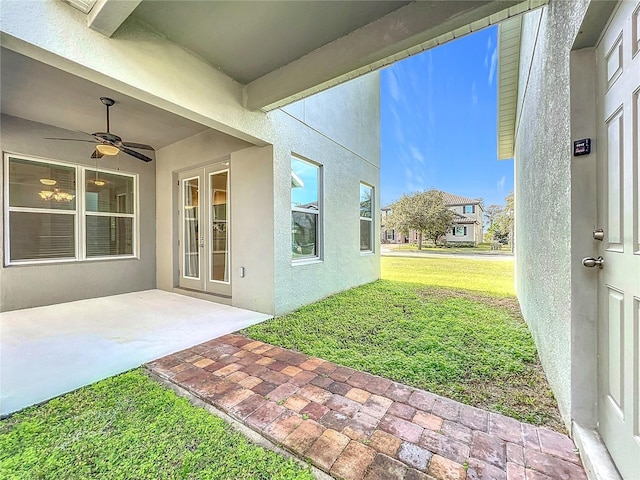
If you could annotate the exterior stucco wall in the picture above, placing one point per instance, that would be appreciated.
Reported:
(326, 111)
(25, 286)
(543, 188)
(342, 265)
(252, 229)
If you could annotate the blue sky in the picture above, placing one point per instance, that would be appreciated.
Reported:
(438, 119)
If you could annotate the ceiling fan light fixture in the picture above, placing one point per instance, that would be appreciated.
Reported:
(99, 183)
(49, 182)
(107, 149)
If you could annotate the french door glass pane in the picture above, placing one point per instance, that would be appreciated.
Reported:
(304, 234)
(109, 236)
(191, 263)
(41, 185)
(41, 235)
(219, 231)
(108, 192)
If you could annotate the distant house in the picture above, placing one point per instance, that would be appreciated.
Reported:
(466, 228)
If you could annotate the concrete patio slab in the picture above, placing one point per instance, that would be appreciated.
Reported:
(357, 426)
(47, 351)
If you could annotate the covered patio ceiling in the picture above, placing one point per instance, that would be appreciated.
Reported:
(281, 51)
(38, 92)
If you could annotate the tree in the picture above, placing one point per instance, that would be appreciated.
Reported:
(500, 219)
(424, 212)
(492, 213)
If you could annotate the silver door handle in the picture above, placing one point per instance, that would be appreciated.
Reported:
(591, 262)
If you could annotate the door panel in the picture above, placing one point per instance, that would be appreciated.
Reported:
(618, 210)
(615, 138)
(616, 349)
(636, 168)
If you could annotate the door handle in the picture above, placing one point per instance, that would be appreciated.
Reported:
(591, 262)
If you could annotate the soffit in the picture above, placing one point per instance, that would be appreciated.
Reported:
(508, 75)
(282, 51)
(41, 93)
(248, 39)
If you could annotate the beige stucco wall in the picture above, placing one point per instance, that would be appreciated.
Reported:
(543, 188)
(45, 284)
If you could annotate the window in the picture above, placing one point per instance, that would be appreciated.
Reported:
(109, 219)
(390, 235)
(54, 217)
(460, 231)
(305, 210)
(469, 209)
(366, 218)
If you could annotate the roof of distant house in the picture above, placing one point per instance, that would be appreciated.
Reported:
(451, 199)
(463, 219)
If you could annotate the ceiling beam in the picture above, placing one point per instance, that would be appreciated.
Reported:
(406, 31)
(107, 15)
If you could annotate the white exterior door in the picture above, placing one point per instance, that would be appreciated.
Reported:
(204, 238)
(618, 107)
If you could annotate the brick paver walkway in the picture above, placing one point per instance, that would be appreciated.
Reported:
(354, 425)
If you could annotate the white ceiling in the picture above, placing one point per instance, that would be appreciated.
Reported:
(41, 93)
(248, 39)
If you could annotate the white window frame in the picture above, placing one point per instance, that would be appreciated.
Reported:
(80, 213)
(369, 219)
(318, 257)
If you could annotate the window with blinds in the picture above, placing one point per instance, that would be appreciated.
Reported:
(51, 216)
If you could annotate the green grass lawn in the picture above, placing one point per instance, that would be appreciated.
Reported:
(493, 277)
(130, 427)
(484, 248)
(469, 343)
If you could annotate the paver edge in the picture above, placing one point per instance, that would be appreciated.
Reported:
(248, 432)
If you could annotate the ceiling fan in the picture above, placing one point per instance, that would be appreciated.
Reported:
(110, 144)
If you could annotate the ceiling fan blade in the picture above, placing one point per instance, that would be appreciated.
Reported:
(96, 154)
(140, 146)
(135, 154)
(70, 139)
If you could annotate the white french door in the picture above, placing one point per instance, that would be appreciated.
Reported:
(204, 240)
